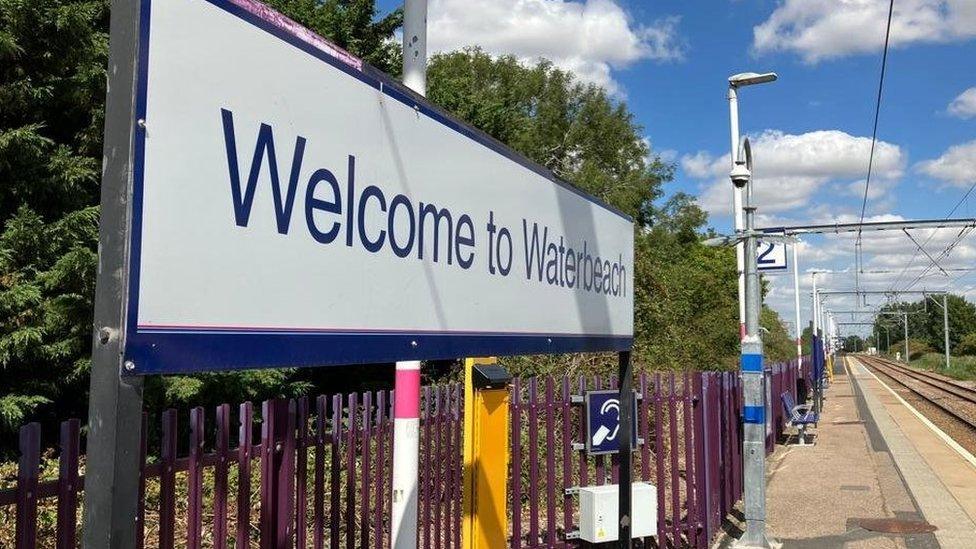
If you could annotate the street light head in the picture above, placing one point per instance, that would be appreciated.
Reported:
(740, 175)
(750, 79)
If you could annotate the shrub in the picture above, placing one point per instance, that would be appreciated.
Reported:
(967, 346)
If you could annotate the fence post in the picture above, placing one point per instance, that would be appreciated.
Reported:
(27, 476)
(707, 453)
(352, 412)
(244, 447)
(659, 461)
(277, 472)
(221, 448)
(68, 484)
(143, 452)
(716, 511)
(301, 475)
(167, 474)
(195, 480)
(701, 469)
(691, 485)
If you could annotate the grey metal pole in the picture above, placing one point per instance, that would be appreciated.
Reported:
(754, 409)
(415, 45)
(626, 374)
(906, 338)
(945, 326)
(796, 301)
(115, 401)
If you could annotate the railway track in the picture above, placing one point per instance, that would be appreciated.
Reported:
(955, 400)
(934, 380)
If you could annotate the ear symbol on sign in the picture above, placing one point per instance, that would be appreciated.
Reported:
(604, 433)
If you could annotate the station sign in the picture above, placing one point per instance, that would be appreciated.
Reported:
(603, 422)
(292, 206)
(771, 256)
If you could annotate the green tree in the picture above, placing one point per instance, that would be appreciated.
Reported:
(352, 25)
(52, 84)
(854, 343)
(686, 301)
(575, 130)
(806, 340)
(778, 345)
(925, 321)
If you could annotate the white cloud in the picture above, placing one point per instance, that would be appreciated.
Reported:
(825, 29)
(590, 38)
(789, 169)
(964, 106)
(956, 166)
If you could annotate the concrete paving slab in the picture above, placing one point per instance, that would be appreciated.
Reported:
(918, 452)
(817, 494)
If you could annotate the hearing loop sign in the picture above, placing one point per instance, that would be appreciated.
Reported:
(603, 422)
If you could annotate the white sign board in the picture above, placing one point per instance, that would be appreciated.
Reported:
(292, 207)
(771, 256)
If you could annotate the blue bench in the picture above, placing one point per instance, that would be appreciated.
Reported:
(799, 416)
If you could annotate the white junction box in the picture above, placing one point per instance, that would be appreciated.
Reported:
(598, 512)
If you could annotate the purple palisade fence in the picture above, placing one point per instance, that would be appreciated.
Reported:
(689, 426)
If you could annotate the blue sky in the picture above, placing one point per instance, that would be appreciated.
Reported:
(669, 61)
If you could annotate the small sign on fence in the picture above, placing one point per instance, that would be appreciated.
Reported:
(603, 422)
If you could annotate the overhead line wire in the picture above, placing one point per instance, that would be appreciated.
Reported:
(874, 140)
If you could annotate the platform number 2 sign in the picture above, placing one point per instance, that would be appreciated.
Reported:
(771, 256)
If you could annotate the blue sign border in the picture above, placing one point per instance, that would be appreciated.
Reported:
(164, 351)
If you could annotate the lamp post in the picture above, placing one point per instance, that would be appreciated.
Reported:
(737, 81)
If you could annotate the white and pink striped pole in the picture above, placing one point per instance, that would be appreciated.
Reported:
(406, 395)
(406, 450)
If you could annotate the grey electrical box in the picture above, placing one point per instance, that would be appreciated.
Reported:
(490, 376)
(599, 512)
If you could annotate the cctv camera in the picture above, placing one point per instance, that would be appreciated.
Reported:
(740, 175)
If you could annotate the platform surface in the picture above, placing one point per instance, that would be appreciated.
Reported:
(873, 459)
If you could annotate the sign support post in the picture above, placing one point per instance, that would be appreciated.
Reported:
(115, 401)
(625, 374)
